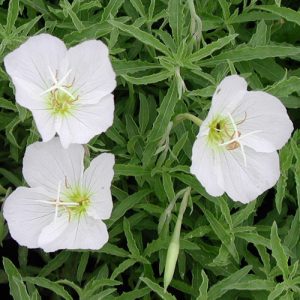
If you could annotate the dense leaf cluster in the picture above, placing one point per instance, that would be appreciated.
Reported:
(169, 55)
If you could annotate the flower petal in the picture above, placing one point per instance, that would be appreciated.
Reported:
(243, 183)
(45, 123)
(86, 122)
(81, 233)
(265, 113)
(93, 74)
(26, 216)
(97, 178)
(205, 166)
(228, 93)
(28, 66)
(53, 230)
(48, 164)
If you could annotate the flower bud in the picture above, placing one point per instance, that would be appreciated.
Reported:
(172, 256)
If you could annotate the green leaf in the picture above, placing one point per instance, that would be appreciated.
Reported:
(114, 250)
(131, 244)
(157, 289)
(92, 32)
(22, 112)
(50, 285)
(9, 130)
(135, 294)
(102, 295)
(225, 211)
(265, 257)
(225, 8)
(250, 16)
(111, 9)
(194, 183)
(72, 285)
(260, 36)
(168, 186)
(212, 47)
(84, 259)
(277, 291)
(76, 21)
(295, 146)
(246, 53)
(256, 239)
(198, 232)
(220, 288)
(284, 12)
(153, 78)
(16, 285)
(203, 295)
(122, 267)
(38, 5)
(292, 237)
(130, 170)
(126, 204)
(285, 87)
(243, 214)
(54, 263)
(285, 164)
(3, 229)
(253, 285)
(297, 179)
(278, 252)
(123, 67)
(7, 105)
(138, 5)
(176, 20)
(143, 113)
(35, 295)
(142, 36)
(11, 177)
(12, 15)
(165, 113)
(222, 233)
(95, 284)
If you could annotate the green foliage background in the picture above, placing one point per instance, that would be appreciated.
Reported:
(228, 250)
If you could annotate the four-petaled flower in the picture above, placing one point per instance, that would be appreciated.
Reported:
(67, 90)
(235, 151)
(64, 206)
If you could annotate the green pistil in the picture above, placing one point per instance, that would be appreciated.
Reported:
(60, 103)
(219, 131)
(80, 196)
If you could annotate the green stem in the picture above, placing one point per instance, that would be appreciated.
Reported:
(187, 116)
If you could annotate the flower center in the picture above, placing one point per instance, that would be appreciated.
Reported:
(73, 200)
(60, 97)
(77, 195)
(60, 103)
(223, 133)
(220, 131)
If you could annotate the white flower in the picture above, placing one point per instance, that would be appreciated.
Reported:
(235, 151)
(64, 206)
(67, 90)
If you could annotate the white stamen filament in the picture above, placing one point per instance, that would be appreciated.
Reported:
(58, 203)
(238, 138)
(58, 85)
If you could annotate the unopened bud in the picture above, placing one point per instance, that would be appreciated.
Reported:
(172, 256)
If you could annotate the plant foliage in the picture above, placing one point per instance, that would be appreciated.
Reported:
(169, 57)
